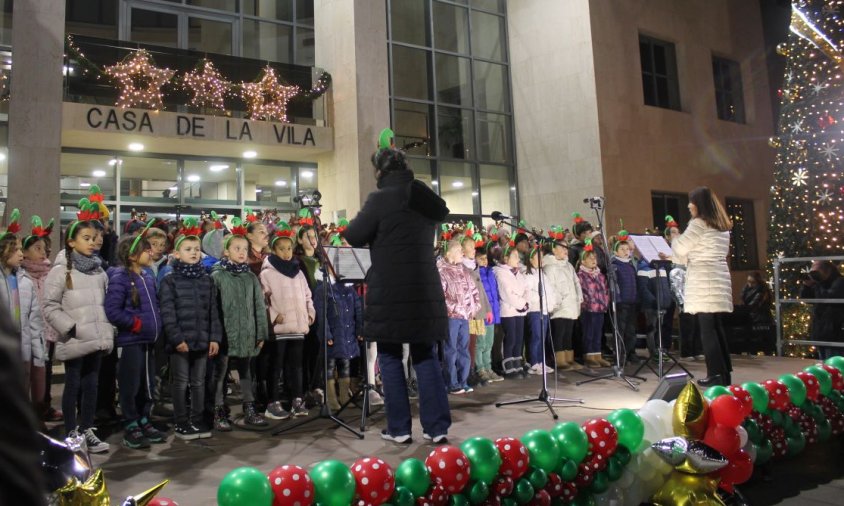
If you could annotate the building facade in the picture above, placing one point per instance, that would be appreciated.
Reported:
(519, 106)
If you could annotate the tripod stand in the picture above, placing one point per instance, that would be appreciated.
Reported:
(365, 388)
(543, 397)
(617, 371)
(325, 268)
(659, 266)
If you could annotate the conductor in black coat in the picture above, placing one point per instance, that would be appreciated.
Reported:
(404, 299)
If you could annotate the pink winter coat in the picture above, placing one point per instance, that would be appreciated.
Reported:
(512, 290)
(288, 297)
(462, 298)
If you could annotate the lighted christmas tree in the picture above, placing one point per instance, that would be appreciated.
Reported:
(808, 191)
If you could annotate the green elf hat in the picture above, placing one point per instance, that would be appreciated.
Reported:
(522, 228)
(335, 240)
(250, 216)
(190, 229)
(446, 233)
(141, 236)
(216, 220)
(39, 231)
(669, 224)
(238, 230)
(14, 224)
(306, 217)
(587, 248)
(510, 247)
(622, 237)
(88, 211)
(386, 139)
(494, 234)
(282, 231)
(342, 225)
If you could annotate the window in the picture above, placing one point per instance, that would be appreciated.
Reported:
(729, 100)
(659, 73)
(674, 204)
(95, 18)
(744, 255)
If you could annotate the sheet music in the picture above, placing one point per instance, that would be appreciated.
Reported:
(350, 264)
(650, 246)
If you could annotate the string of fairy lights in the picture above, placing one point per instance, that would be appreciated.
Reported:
(142, 84)
(806, 211)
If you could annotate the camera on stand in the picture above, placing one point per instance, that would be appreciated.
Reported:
(596, 202)
(309, 200)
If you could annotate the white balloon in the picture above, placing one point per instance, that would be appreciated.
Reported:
(750, 448)
(634, 495)
(602, 499)
(742, 435)
(627, 477)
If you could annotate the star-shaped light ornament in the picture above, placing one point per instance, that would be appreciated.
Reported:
(789, 77)
(267, 99)
(800, 177)
(797, 127)
(829, 10)
(829, 151)
(139, 81)
(207, 85)
(817, 88)
(824, 197)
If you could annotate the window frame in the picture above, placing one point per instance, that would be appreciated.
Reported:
(682, 216)
(671, 75)
(734, 93)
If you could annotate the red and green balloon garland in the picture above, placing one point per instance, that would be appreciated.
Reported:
(749, 425)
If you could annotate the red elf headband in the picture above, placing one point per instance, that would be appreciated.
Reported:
(39, 231)
(14, 224)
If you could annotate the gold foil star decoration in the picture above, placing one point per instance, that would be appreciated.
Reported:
(140, 81)
(207, 86)
(267, 99)
(93, 492)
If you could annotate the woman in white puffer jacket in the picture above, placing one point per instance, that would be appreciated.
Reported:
(703, 248)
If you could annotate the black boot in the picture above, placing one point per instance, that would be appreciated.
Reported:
(251, 417)
(711, 380)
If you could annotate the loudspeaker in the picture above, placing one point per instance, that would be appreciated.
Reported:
(670, 386)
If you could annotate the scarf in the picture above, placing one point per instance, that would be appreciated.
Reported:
(592, 272)
(191, 271)
(85, 264)
(37, 270)
(289, 268)
(232, 267)
(470, 264)
(625, 260)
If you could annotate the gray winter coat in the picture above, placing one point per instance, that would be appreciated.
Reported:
(31, 321)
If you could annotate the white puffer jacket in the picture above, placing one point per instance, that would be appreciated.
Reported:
(512, 291)
(560, 274)
(550, 297)
(704, 251)
(81, 307)
(31, 322)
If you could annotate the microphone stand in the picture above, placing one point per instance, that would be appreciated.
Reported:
(543, 396)
(617, 371)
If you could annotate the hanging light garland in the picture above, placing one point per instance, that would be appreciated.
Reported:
(207, 86)
(139, 81)
(267, 98)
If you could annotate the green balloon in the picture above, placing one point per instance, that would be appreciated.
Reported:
(629, 426)
(584, 498)
(764, 452)
(715, 391)
(796, 444)
(334, 483)
(777, 418)
(823, 377)
(523, 491)
(600, 484)
(824, 430)
(572, 440)
(623, 455)
(413, 475)
(402, 496)
(614, 468)
(483, 457)
(836, 362)
(796, 388)
(478, 492)
(759, 395)
(458, 500)
(567, 469)
(508, 501)
(537, 478)
(245, 486)
(543, 449)
(754, 433)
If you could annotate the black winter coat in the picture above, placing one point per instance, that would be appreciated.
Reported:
(189, 311)
(827, 319)
(404, 298)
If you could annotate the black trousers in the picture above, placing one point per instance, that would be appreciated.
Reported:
(714, 342)
(689, 336)
(561, 333)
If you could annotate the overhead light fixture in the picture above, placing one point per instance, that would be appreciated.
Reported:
(218, 167)
(307, 174)
(474, 194)
(2, 156)
(84, 185)
(113, 162)
(457, 184)
(258, 190)
(136, 146)
(435, 183)
(193, 178)
(512, 188)
(99, 173)
(250, 154)
(281, 182)
(173, 188)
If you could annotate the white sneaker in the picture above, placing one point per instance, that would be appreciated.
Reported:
(95, 445)
(437, 440)
(402, 440)
(535, 369)
(546, 369)
(375, 398)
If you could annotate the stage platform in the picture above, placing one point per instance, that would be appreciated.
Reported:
(195, 468)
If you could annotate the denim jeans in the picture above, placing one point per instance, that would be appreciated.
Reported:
(80, 380)
(593, 325)
(341, 365)
(456, 351)
(514, 335)
(434, 413)
(188, 369)
(483, 349)
(216, 372)
(539, 332)
(135, 374)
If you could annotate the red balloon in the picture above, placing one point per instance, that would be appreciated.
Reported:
(492, 500)
(837, 378)
(727, 410)
(437, 496)
(162, 501)
(540, 498)
(375, 481)
(514, 457)
(569, 491)
(777, 394)
(503, 486)
(291, 484)
(603, 438)
(745, 398)
(597, 462)
(724, 439)
(449, 467)
(585, 475)
(737, 471)
(813, 389)
(554, 487)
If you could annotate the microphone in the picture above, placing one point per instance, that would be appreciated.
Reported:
(498, 216)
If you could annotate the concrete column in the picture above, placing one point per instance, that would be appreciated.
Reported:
(552, 71)
(35, 110)
(351, 44)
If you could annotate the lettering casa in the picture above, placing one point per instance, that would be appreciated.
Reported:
(196, 127)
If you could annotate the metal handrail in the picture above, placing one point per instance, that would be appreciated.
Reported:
(778, 302)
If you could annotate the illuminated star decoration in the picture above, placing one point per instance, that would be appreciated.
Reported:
(797, 127)
(829, 151)
(789, 77)
(799, 177)
(824, 197)
(267, 99)
(817, 88)
(207, 85)
(139, 80)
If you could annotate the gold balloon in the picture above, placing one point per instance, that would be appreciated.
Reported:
(691, 412)
(91, 493)
(782, 49)
(774, 142)
(684, 489)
